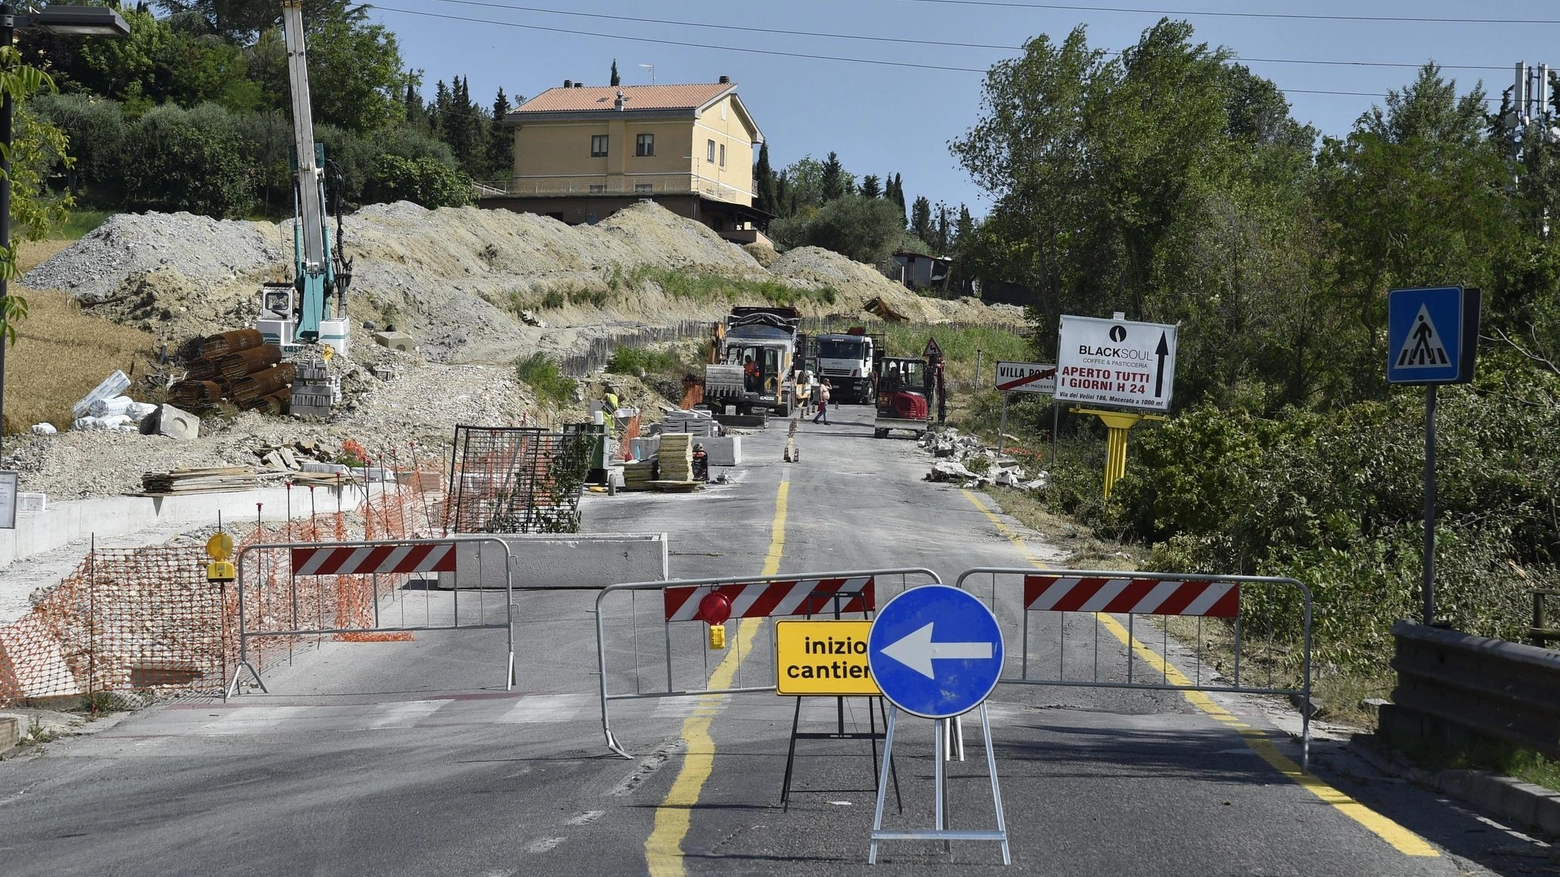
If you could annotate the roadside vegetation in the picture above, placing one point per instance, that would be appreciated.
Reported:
(545, 379)
(1170, 183)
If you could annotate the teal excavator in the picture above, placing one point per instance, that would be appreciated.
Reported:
(307, 317)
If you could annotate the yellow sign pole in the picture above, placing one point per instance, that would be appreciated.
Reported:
(1117, 425)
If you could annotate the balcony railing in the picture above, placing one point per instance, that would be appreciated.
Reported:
(641, 187)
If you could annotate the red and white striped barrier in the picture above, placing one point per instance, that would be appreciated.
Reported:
(1136, 596)
(374, 559)
(763, 599)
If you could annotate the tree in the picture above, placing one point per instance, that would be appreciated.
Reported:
(36, 147)
(865, 229)
(616, 80)
(803, 185)
(240, 20)
(1166, 183)
(95, 132)
(500, 141)
(833, 183)
(764, 183)
(921, 221)
(190, 160)
(895, 192)
(424, 181)
(1415, 196)
(871, 186)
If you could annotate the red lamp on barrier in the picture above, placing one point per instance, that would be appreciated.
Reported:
(714, 609)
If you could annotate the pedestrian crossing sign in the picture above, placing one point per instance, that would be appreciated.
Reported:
(1432, 335)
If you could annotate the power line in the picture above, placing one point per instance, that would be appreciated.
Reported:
(911, 42)
(1300, 16)
(866, 61)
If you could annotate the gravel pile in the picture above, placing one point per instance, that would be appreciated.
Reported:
(455, 279)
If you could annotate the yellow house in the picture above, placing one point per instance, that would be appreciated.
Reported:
(582, 153)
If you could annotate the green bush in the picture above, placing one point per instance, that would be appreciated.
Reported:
(542, 376)
(643, 360)
(1335, 500)
(190, 160)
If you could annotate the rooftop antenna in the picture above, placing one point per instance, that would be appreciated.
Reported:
(651, 68)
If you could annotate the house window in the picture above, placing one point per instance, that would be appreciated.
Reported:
(644, 145)
(709, 151)
(643, 188)
(598, 146)
(597, 188)
(723, 155)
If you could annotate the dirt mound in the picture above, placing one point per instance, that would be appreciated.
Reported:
(454, 278)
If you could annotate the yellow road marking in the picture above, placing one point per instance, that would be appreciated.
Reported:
(663, 849)
(1396, 836)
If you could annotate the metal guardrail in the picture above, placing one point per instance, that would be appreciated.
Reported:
(1541, 634)
(675, 630)
(1244, 608)
(352, 589)
(1492, 688)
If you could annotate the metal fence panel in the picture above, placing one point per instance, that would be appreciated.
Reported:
(288, 592)
(1252, 617)
(517, 479)
(657, 642)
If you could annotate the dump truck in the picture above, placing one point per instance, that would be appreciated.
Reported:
(752, 365)
(848, 359)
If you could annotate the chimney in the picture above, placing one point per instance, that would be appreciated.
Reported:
(725, 80)
(568, 83)
(618, 104)
(580, 84)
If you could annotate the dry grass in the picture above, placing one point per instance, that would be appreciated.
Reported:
(61, 353)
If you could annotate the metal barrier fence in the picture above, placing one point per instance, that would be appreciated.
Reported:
(358, 592)
(674, 612)
(516, 479)
(1245, 614)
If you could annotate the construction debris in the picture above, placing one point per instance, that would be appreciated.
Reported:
(211, 480)
(966, 462)
(112, 385)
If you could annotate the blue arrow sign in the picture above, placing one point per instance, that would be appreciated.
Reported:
(1432, 335)
(935, 651)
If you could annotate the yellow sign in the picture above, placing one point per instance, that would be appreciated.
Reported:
(822, 658)
(219, 547)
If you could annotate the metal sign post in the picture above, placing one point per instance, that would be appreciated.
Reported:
(936, 652)
(1432, 339)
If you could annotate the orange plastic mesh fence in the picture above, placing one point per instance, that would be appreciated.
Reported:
(147, 618)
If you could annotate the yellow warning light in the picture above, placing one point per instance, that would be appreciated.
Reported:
(220, 571)
(717, 636)
(219, 547)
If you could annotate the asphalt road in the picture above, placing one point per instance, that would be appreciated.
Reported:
(411, 758)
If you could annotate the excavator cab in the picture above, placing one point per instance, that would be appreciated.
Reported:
(902, 394)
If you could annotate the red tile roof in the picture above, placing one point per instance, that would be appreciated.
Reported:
(635, 97)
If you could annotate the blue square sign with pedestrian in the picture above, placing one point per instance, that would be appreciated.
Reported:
(1432, 335)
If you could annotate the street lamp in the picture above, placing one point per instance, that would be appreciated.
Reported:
(65, 21)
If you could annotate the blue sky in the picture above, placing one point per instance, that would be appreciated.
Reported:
(810, 97)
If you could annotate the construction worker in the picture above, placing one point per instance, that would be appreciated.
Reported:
(701, 463)
(823, 403)
(750, 374)
(609, 401)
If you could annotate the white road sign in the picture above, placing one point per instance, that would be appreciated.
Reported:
(1026, 377)
(8, 484)
(1116, 362)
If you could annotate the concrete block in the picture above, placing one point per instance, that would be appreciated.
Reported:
(177, 424)
(724, 450)
(561, 560)
(10, 732)
(328, 468)
(394, 340)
